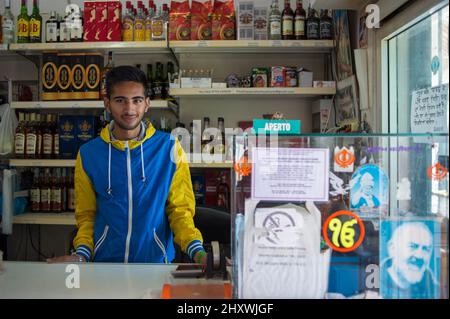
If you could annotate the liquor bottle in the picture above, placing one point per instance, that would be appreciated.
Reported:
(163, 124)
(158, 84)
(139, 23)
(35, 24)
(128, 23)
(148, 22)
(170, 77)
(47, 138)
(65, 29)
(274, 21)
(206, 137)
(221, 136)
(31, 138)
(326, 26)
(20, 137)
(150, 81)
(166, 81)
(51, 28)
(46, 190)
(55, 133)
(56, 191)
(71, 193)
(39, 136)
(300, 21)
(312, 25)
(106, 69)
(158, 30)
(287, 18)
(23, 24)
(191, 133)
(63, 183)
(223, 192)
(35, 192)
(76, 31)
(7, 22)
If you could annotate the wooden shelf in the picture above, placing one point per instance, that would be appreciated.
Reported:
(156, 104)
(251, 92)
(253, 46)
(116, 47)
(45, 219)
(71, 163)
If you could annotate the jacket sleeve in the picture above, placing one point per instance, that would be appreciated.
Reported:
(85, 209)
(180, 206)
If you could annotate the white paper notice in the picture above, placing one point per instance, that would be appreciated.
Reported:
(290, 174)
(429, 110)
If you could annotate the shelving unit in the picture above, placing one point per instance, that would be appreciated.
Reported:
(253, 46)
(252, 92)
(71, 163)
(46, 219)
(116, 47)
(36, 105)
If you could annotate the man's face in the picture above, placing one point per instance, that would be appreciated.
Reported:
(411, 253)
(127, 104)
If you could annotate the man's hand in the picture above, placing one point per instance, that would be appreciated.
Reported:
(67, 259)
(200, 257)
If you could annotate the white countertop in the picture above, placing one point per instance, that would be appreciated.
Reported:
(33, 280)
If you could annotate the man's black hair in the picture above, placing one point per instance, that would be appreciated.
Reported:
(126, 73)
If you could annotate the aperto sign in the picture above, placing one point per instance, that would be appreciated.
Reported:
(280, 127)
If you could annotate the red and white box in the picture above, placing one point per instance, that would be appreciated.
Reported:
(101, 14)
(90, 23)
(114, 21)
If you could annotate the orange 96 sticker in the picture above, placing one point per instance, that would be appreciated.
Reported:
(340, 231)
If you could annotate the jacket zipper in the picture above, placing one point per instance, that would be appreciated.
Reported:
(101, 239)
(160, 245)
(130, 205)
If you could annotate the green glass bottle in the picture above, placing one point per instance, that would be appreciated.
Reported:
(35, 24)
(23, 24)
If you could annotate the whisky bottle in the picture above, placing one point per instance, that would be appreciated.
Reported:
(35, 24)
(287, 29)
(223, 192)
(47, 138)
(109, 66)
(128, 24)
(159, 30)
(23, 24)
(31, 138)
(46, 191)
(55, 133)
(20, 137)
(158, 84)
(65, 29)
(221, 136)
(71, 192)
(139, 23)
(326, 26)
(7, 24)
(56, 192)
(206, 137)
(148, 22)
(39, 136)
(51, 28)
(312, 26)
(35, 192)
(274, 21)
(300, 20)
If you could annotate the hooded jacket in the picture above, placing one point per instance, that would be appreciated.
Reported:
(134, 199)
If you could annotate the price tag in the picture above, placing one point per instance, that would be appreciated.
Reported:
(253, 44)
(202, 44)
(76, 106)
(38, 105)
(340, 231)
(277, 43)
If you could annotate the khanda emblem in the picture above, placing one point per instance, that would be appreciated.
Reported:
(344, 158)
(437, 172)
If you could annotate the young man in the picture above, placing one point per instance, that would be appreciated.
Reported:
(133, 187)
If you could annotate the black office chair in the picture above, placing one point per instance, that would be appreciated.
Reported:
(215, 225)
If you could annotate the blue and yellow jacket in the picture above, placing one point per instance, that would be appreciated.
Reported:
(134, 199)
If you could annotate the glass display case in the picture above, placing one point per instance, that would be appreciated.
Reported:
(340, 216)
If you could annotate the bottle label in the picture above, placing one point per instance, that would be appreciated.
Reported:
(56, 144)
(139, 31)
(65, 32)
(52, 32)
(71, 199)
(45, 198)
(76, 32)
(19, 143)
(31, 144)
(299, 27)
(35, 198)
(56, 198)
(23, 28)
(157, 28)
(325, 30)
(39, 144)
(35, 28)
(313, 30)
(275, 28)
(288, 27)
(127, 30)
(148, 30)
(48, 144)
(7, 25)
